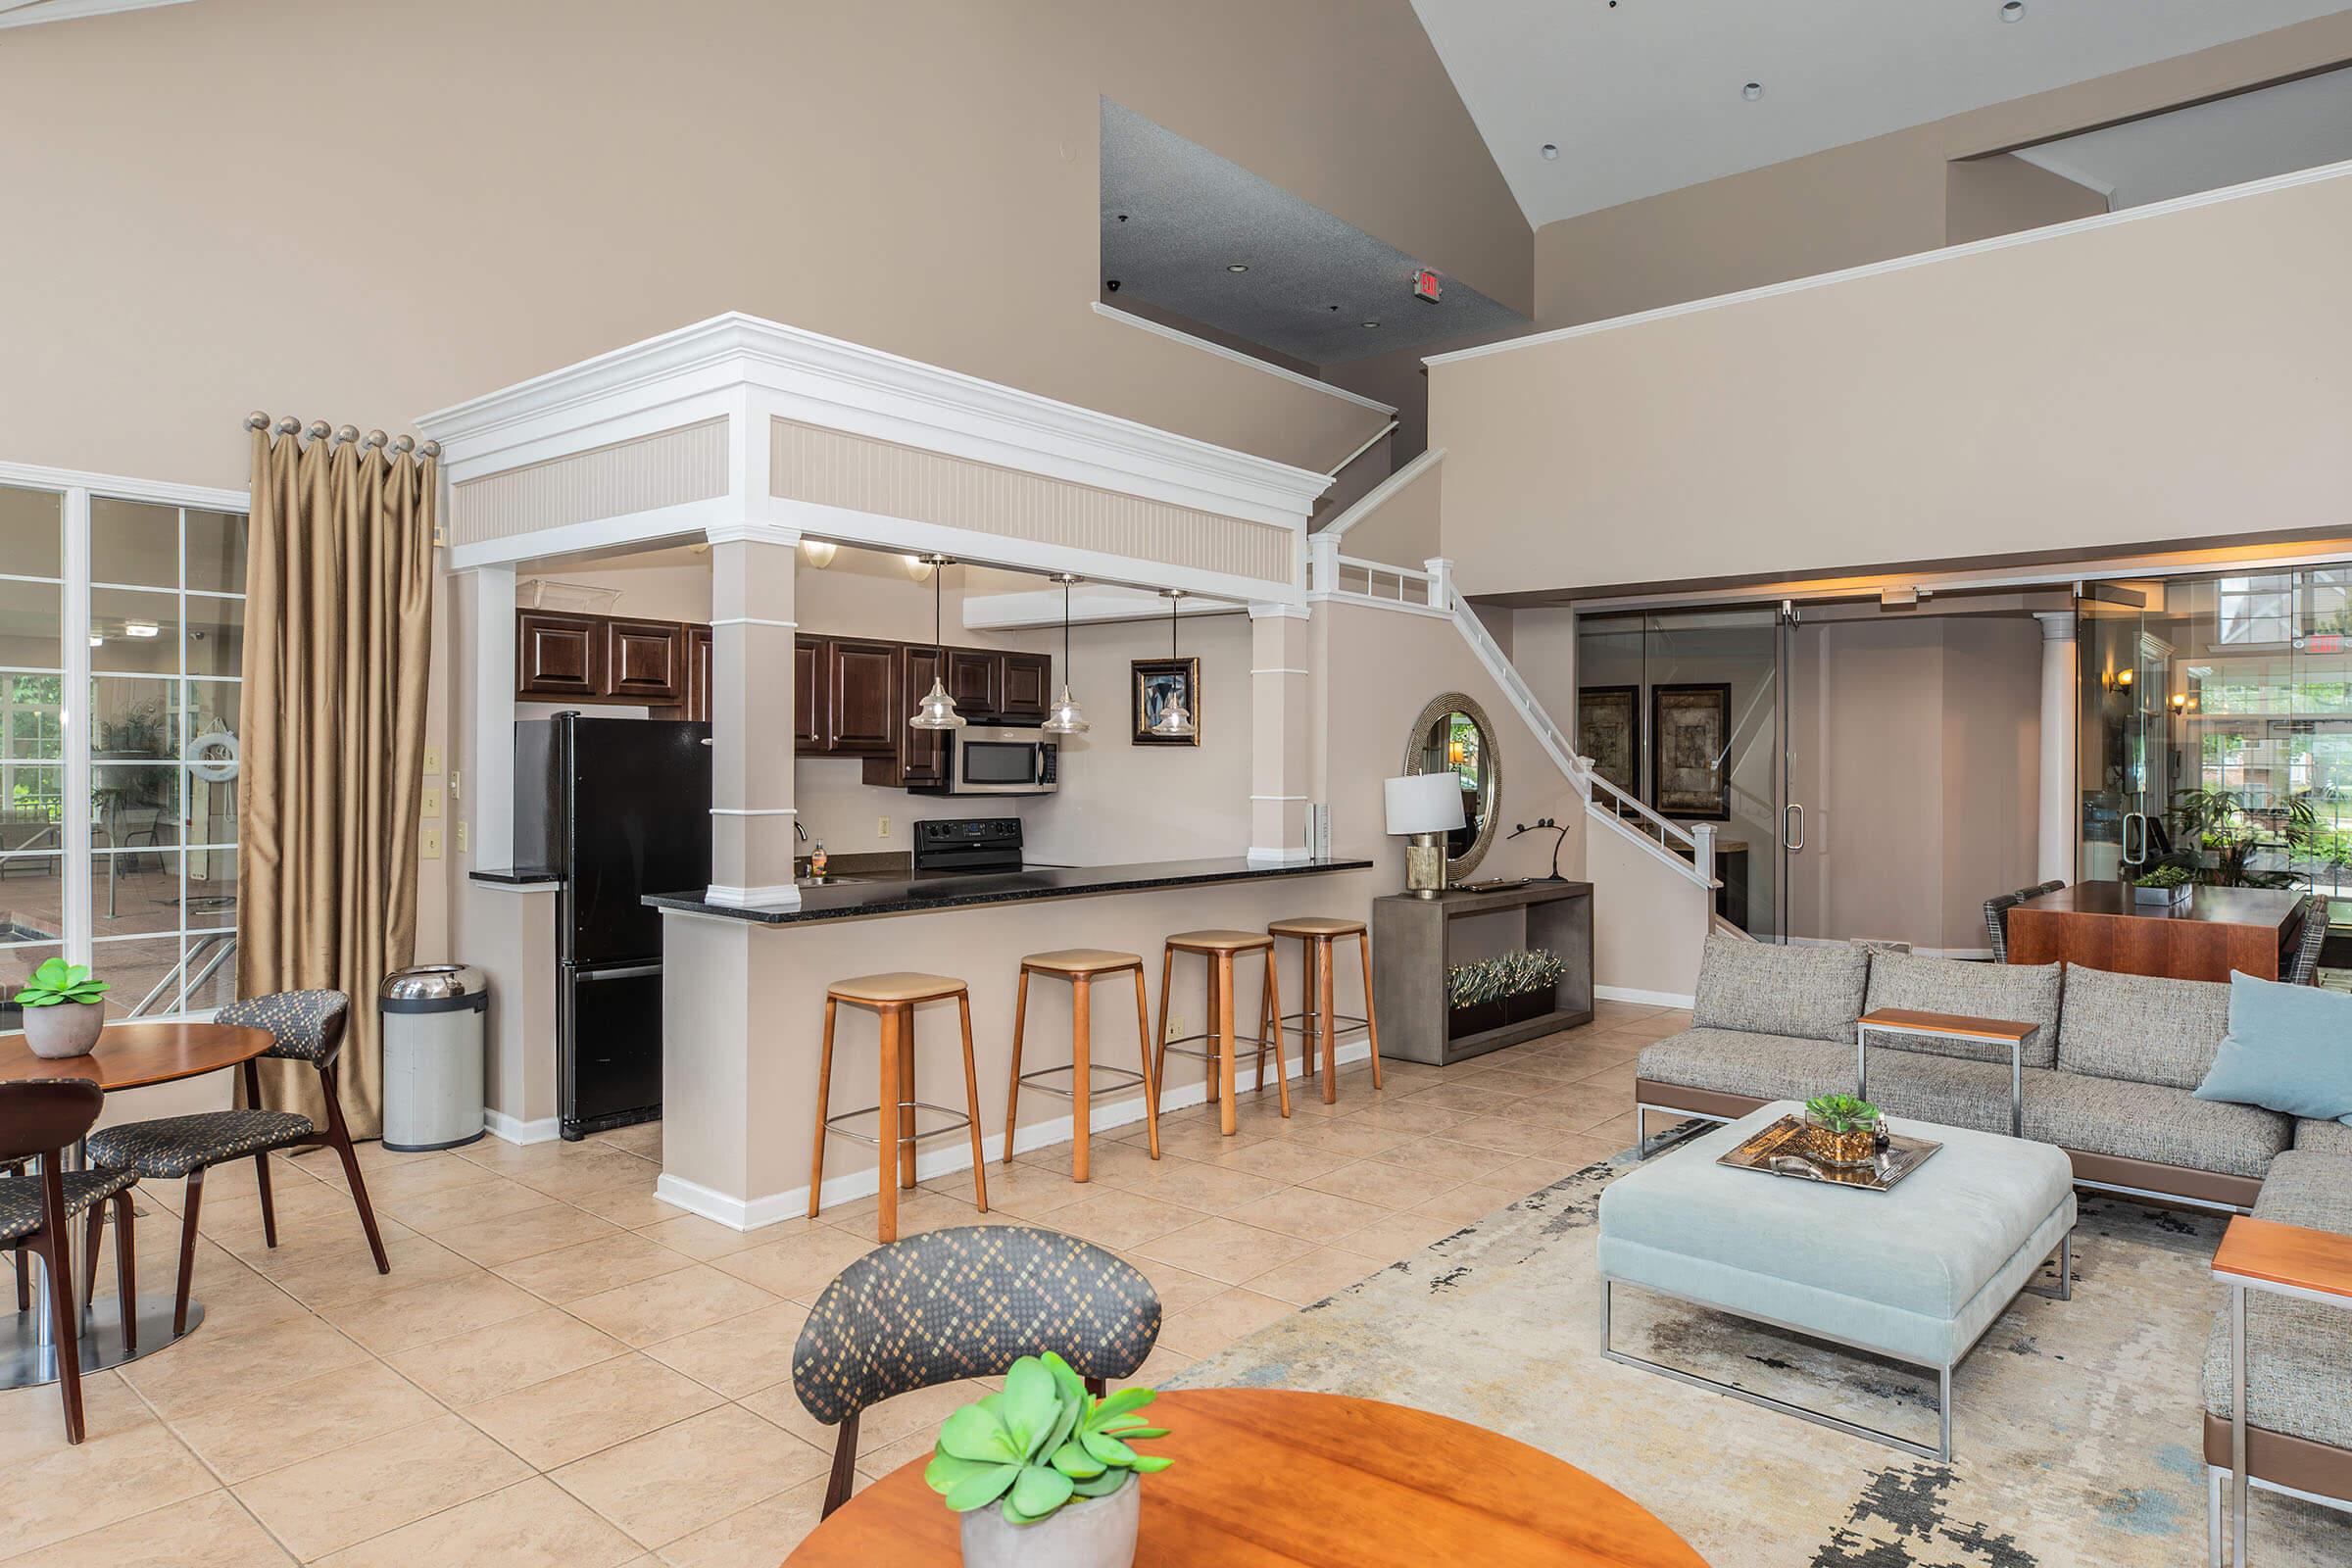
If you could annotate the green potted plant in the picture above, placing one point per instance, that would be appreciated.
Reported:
(1042, 1471)
(64, 1009)
(1842, 1130)
(2167, 884)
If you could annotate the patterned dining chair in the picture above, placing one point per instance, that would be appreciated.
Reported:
(307, 1026)
(1996, 922)
(965, 1302)
(40, 1118)
(2304, 969)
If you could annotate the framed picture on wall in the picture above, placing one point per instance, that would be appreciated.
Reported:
(1608, 731)
(1689, 737)
(1156, 680)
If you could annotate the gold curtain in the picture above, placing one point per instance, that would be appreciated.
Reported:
(338, 611)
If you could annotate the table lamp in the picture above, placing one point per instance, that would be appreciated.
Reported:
(1425, 808)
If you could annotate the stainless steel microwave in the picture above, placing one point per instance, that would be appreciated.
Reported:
(1002, 760)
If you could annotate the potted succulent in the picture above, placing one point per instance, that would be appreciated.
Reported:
(1842, 1130)
(64, 1009)
(1055, 1462)
(2167, 884)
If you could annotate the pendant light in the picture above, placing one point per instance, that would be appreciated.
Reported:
(1173, 724)
(1065, 718)
(938, 708)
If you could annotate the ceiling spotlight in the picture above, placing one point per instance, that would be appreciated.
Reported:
(140, 628)
(1371, 323)
(1752, 91)
(2013, 11)
(1237, 267)
(1550, 151)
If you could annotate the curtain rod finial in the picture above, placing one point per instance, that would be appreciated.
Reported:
(431, 449)
(256, 420)
(403, 444)
(347, 432)
(375, 438)
(318, 429)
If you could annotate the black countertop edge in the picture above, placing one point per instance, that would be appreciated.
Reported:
(914, 894)
(523, 876)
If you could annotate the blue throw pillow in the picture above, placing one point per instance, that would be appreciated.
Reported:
(2289, 1048)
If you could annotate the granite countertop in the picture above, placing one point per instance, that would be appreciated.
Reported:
(914, 894)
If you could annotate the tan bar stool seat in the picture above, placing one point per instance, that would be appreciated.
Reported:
(1089, 1079)
(1321, 1022)
(894, 996)
(1220, 946)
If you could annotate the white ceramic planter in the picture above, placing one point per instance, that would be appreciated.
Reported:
(1099, 1532)
(66, 1029)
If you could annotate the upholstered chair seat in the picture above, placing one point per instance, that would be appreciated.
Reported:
(21, 1197)
(40, 1118)
(171, 1147)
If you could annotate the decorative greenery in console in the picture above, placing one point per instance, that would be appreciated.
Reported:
(2166, 876)
(1042, 1441)
(1508, 974)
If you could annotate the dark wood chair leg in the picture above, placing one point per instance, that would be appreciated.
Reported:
(93, 1234)
(193, 1201)
(845, 1467)
(23, 1280)
(1098, 1387)
(127, 1279)
(339, 1135)
(261, 1169)
(50, 1243)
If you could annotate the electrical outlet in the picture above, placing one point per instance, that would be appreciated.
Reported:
(1175, 1026)
(461, 838)
(453, 786)
(431, 806)
(428, 843)
(432, 761)
(882, 827)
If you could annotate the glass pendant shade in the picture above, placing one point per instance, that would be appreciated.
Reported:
(937, 710)
(1173, 722)
(1064, 717)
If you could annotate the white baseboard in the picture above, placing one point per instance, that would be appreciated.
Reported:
(1648, 999)
(1109, 1116)
(501, 1125)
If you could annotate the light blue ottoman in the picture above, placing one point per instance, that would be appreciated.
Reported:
(1917, 1274)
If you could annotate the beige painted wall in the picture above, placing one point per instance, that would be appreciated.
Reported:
(1868, 200)
(2177, 376)
(1404, 530)
(254, 221)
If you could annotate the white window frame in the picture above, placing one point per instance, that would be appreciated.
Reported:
(77, 875)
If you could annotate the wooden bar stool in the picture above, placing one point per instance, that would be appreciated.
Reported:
(894, 997)
(1220, 948)
(1316, 936)
(1081, 967)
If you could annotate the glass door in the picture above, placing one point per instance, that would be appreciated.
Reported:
(2112, 753)
(2323, 723)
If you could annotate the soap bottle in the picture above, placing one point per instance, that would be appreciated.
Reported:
(816, 860)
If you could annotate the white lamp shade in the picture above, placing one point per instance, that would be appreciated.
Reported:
(1425, 802)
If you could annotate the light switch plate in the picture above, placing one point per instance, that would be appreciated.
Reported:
(432, 760)
(462, 850)
(882, 827)
(428, 843)
(430, 804)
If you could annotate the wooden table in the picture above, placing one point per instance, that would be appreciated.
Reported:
(1269, 1478)
(1948, 1026)
(2096, 924)
(2295, 1260)
(128, 1056)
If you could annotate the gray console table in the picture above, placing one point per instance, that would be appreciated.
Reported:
(1415, 940)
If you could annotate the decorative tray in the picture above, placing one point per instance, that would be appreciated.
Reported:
(1500, 884)
(1776, 1152)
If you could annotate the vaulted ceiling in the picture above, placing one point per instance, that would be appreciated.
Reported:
(1643, 96)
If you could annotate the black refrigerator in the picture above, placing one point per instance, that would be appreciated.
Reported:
(618, 807)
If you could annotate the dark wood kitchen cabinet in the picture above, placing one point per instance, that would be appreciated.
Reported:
(807, 694)
(1026, 685)
(698, 675)
(863, 710)
(918, 756)
(645, 661)
(558, 656)
(976, 680)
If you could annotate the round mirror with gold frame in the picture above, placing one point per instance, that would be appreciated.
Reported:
(1453, 736)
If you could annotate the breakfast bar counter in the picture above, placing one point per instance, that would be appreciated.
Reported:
(851, 897)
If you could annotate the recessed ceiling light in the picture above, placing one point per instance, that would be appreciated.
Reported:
(1752, 91)
(1237, 267)
(140, 628)
(2013, 11)
(1371, 323)
(1551, 150)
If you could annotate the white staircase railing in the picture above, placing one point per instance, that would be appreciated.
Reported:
(1613, 808)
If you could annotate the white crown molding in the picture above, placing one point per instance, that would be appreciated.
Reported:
(1091, 605)
(1904, 264)
(1173, 335)
(748, 531)
(753, 370)
(1261, 610)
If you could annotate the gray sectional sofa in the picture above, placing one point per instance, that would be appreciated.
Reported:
(2107, 1078)
(2108, 1075)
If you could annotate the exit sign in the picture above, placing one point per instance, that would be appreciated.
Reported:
(1426, 287)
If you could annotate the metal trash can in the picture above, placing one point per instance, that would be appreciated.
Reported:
(434, 1018)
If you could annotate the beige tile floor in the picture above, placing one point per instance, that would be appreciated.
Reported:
(564, 1370)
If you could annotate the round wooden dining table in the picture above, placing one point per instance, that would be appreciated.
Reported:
(128, 1056)
(1276, 1478)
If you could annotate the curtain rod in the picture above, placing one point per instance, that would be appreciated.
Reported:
(321, 430)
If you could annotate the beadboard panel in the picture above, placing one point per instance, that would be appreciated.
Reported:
(837, 469)
(667, 469)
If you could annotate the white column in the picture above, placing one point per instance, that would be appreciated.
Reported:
(751, 620)
(1279, 733)
(2060, 687)
(490, 783)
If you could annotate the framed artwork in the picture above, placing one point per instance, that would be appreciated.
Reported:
(1608, 731)
(1156, 681)
(1689, 733)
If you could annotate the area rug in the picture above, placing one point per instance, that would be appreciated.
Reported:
(2075, 1428)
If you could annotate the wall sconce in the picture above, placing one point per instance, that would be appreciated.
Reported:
(2180, 702)
(918, 568)
(819, 553)
(2123, 679)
